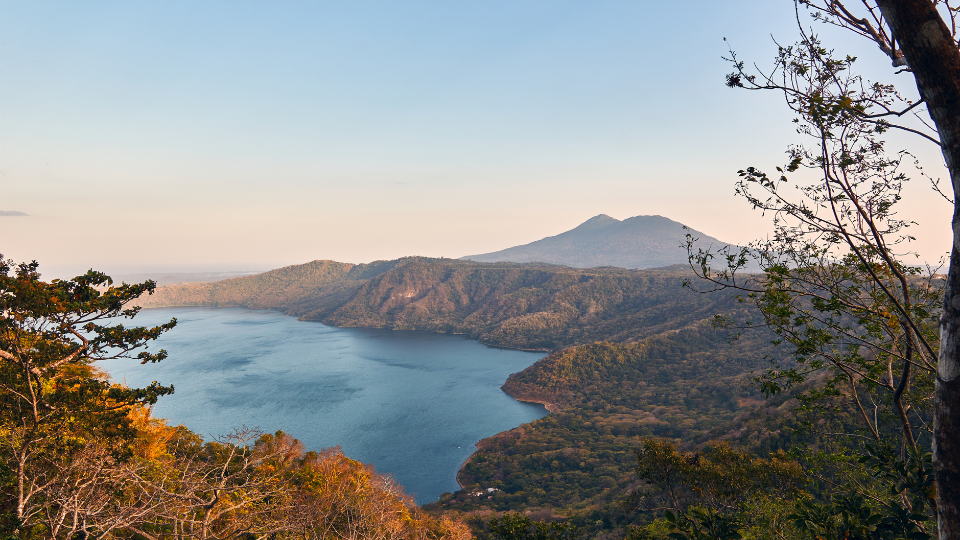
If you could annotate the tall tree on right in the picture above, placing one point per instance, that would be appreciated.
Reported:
(914, 34)
(930, 49)
(850, 207)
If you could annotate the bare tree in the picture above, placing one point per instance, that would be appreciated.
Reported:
(238, 485)
(94, 493)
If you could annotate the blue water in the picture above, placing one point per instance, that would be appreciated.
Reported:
(413, 404)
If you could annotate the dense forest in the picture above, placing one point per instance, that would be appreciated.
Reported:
(635, 355)
(523, 306)
(579, 462)
(650, 393)
(645, 376)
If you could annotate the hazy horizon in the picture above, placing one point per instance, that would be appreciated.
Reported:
(221, 136)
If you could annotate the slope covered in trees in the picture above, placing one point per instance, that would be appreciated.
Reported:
(293, 290)
(641, 360)
(579, 462)
(527, 306)
(82, 457)
(524, 306)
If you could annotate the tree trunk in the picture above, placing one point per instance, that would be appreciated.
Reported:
(935, 61)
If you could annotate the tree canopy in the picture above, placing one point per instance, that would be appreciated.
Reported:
(82, 456)
(879, 335)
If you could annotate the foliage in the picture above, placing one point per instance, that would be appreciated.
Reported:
(607, 399)
(850, 516)
(60, 421)
(717, 477)
(513, 526)
(723, 493)
(860, 323)
(704, 524)
(82, 456)
(832, 286)
(527, 306)
(717, 492)
(265, 484)
(524, 306)
(674, 385)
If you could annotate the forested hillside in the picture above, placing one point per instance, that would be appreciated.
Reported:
(634, 355)
(82, 457)
(293, 290)
(524, 306)
(527, 306)
(579, 461)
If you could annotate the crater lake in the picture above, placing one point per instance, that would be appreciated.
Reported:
(413, 404)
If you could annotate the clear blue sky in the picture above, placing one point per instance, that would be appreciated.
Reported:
(250, 135)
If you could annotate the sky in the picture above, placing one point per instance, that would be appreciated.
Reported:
(200, 136)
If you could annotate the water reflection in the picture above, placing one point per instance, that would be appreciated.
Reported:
(412, 403)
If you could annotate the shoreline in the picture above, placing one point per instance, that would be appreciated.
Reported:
(549, 406)
(464, 464)
(302, 319)
(468, 336)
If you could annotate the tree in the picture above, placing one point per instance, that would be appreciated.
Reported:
(833, 286)
(715, 492)
(82, 456)
(236, 485)
(919, 39)
(513, 526)
(65, 430)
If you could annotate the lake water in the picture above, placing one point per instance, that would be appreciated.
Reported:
(413, 404)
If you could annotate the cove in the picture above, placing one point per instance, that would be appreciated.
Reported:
(413, 404)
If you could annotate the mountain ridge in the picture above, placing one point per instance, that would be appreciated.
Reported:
(634, 355)
(530, 306)
(637, 242)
